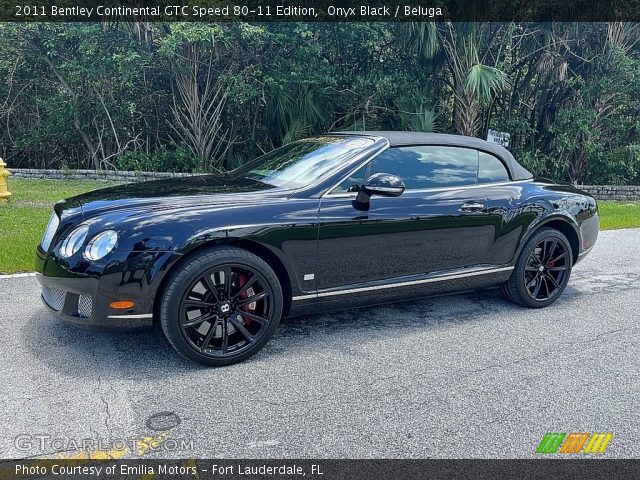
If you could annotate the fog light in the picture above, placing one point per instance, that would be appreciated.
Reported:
(122, 304)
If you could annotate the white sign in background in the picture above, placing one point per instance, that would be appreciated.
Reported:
(501, 138)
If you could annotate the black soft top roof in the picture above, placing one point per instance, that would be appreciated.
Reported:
(399, 139)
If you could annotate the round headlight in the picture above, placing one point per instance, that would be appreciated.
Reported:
(74, 241)
(101, 245)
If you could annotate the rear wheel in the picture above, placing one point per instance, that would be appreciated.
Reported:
(542, 271)
(221, 307)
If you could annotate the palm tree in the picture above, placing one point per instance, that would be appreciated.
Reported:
(296, 110)
(473, 82)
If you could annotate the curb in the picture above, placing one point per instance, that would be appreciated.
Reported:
(18, 275)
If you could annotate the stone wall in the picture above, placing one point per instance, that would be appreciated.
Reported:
(613, 192)
(119, 176)
(601, 192)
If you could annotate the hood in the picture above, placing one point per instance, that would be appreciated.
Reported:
(172, 193)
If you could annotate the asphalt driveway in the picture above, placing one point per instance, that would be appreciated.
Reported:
(460, 376)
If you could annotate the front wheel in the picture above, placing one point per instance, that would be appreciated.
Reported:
(221, 307)
(542, 271)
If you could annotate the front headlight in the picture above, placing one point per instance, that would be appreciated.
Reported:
(101, 245)
(74, 241)
(52, 226)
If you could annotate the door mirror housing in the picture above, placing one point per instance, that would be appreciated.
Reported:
(383, 184)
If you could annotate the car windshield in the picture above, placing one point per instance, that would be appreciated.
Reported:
(302, 162)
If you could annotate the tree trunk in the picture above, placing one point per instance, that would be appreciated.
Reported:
(467, 114)
(75, 105)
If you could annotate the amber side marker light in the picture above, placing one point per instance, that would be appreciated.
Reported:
(122, 304)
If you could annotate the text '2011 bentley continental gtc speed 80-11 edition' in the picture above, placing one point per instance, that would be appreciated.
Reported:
(330, 222)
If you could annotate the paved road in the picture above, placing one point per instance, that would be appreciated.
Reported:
(460, 376)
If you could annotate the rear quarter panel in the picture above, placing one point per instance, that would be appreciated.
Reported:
(521, 208)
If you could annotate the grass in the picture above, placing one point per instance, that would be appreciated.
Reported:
(24, 217)
(619, 215)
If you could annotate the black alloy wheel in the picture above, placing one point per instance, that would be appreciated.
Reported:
(226, 310)
(546, 269)
(542, 271)
(222, 306)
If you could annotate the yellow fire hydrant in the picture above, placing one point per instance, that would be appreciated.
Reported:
(4, 192)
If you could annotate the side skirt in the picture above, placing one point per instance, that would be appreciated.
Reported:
(391, 290)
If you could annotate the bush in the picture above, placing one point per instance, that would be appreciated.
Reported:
(174, 158)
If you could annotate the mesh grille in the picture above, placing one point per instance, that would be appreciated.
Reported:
(84, 306)
(52, 226)
(54, 297)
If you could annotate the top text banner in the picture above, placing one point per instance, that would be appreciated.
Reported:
(319, 10)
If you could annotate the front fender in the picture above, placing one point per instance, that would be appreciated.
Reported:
(284, 232)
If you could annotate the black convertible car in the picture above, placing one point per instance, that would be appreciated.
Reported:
(330, 222)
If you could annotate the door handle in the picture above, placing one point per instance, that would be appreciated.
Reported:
(472, 207)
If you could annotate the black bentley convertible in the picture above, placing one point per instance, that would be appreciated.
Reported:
(330, 222)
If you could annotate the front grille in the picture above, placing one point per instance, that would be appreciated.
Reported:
(84, 306)
(54, 297)
(50, 231)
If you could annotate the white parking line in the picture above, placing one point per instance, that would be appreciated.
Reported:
(18, 275)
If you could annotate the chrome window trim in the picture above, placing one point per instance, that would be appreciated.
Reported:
(441, 278)
(441, 189)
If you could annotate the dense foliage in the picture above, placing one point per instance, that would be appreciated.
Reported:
(201, 97)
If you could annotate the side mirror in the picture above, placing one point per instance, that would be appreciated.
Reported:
(383, 184)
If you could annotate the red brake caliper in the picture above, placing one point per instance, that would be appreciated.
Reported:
(242, 278)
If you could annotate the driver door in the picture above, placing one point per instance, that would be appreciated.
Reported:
(439, 223)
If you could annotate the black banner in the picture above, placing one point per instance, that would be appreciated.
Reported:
(582, 469)
(318, 10)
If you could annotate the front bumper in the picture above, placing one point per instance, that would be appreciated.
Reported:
(80, 292)
(589, 230)
(76, 303)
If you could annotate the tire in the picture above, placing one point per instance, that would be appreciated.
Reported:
(221, 307)
(506, 293)
(542, 271)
